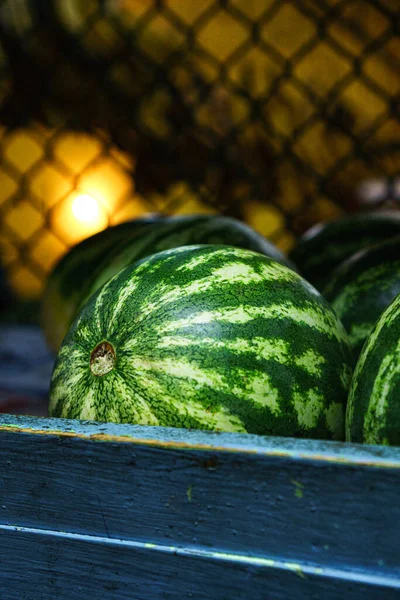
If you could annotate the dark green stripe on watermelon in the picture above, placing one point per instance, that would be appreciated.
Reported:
(373, 412)
(207, 337)
(320, 250)
(363, 287)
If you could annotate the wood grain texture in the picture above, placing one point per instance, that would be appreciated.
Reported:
(229, 515)
(65, 567)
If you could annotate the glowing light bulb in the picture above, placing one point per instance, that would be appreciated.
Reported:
(85, 208)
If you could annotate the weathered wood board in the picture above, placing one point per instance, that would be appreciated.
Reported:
(103, 511)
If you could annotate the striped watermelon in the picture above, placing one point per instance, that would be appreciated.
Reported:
(325, 246)
(88, 267)
(67, 280)
(207, 337)
(362, 288)
(373, 411)
(183, 231)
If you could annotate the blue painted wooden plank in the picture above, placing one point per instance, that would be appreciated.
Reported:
(43, 565)
(304, 502)
(236, 442)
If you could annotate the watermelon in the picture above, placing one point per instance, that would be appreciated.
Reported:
(68, 278)
(323, 247)
(69, 288)
(206, 337)
(362, 287)
(183, 231)
(373, 411)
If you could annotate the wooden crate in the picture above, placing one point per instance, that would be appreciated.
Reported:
(102, 511)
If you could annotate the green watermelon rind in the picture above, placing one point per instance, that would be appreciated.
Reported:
(208, 337)
(326, 245)
(373, 409)
(362, 287)
(67, 292)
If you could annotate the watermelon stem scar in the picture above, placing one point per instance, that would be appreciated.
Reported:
(102, 359)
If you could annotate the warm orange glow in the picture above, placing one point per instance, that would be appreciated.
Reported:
(85, 208)
(79, 216)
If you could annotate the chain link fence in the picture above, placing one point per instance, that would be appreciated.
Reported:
(278, 113)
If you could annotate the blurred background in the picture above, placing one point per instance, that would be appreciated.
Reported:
(282, 114)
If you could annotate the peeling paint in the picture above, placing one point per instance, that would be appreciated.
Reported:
(299, 487)
(189, 493)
